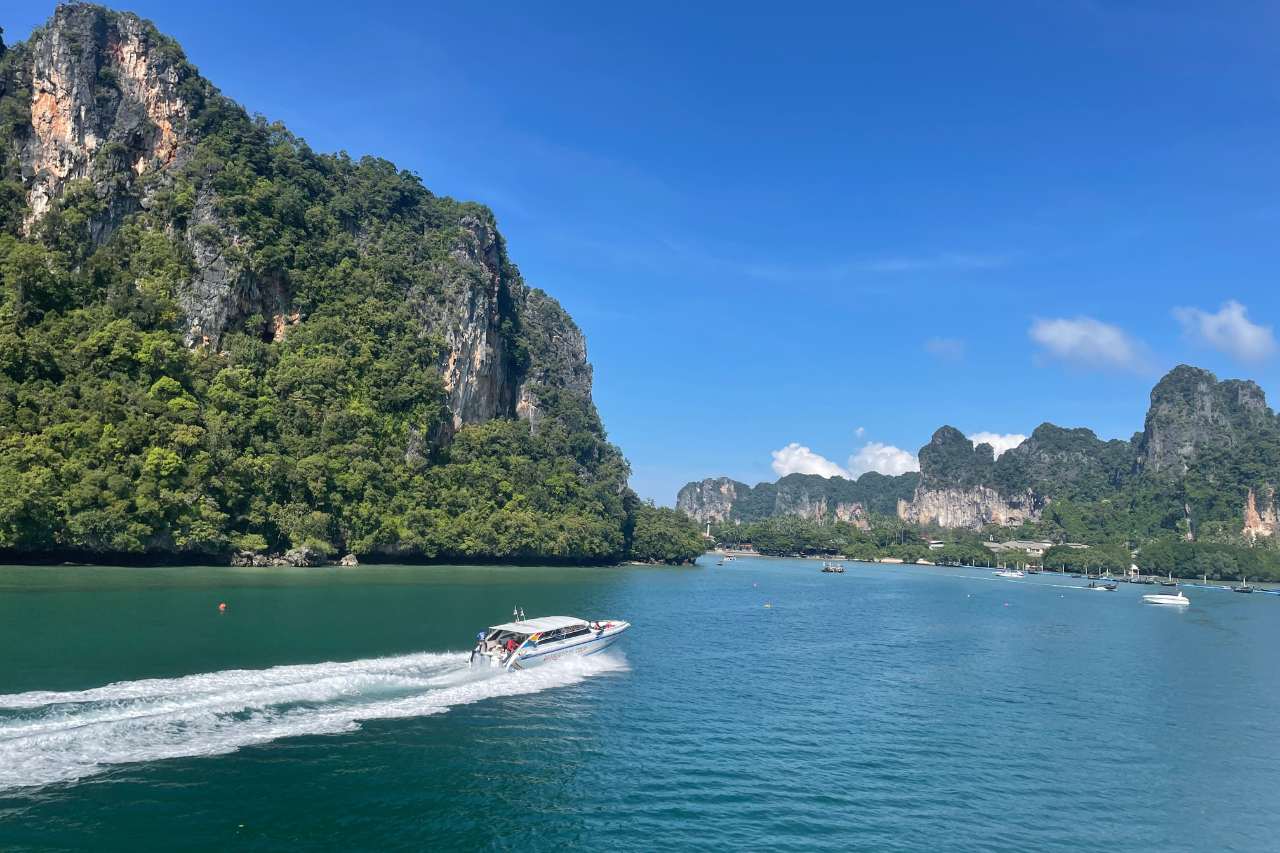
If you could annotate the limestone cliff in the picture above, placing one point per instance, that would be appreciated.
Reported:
(1260, 522)
(710, 500)
(974, 506)
(1208, 458)
(115, 110)
(105, 106)
(1191, 411)
(807, 496)
(956, 487)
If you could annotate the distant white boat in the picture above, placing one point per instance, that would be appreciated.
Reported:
(1008, 573)
(1177, 600)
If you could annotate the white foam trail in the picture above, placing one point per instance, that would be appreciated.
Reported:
(48, 736)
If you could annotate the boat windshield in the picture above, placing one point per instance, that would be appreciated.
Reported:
(499, 636)
(565, 633)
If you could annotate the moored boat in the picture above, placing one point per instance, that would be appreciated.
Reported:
(528, 642)
(1243, 587)
(1008, 573)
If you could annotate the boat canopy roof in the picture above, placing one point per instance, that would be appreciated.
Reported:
(537, 626)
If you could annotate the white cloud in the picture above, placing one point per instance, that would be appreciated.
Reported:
(1087, 342)
(951, 349)
(1000, 442)
(885, 458)
(795, 458)
(1229, 331)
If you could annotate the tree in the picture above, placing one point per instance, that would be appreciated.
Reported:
(665, 535)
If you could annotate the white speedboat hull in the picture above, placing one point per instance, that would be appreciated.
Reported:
(527, 658)
(1167, 600)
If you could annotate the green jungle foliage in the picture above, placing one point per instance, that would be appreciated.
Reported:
(664, 535)
(116, 439)
(889, 537)
(886, 537)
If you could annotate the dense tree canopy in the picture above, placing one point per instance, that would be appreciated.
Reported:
(664, 535)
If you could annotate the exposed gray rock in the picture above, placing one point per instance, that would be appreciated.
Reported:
(1191, 410)
(301, 556)
(974, 506)
(250, 558)
(556, 352)
(807, 496)
(710, 500)
(105, 107)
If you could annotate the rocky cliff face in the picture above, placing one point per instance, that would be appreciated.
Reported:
(805, 496)
(555, 353)
(1192, 411)
(974, 506)
(1205, 444)
(710, 500)
(105, 106)
(956, 487)
(115, 107)
(1260, 521)
(819, 507)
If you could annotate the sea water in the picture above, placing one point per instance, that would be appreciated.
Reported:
(760, 705)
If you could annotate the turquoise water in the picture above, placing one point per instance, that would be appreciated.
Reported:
(889, 708)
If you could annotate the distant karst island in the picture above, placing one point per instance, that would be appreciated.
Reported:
(1194, 491)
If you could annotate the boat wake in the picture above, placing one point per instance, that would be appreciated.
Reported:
(48, 737)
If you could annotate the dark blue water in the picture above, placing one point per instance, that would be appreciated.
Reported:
(889, 708)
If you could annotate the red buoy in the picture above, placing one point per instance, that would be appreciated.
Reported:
(222, 607)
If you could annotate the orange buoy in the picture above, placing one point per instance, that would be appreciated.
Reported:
(222, 607)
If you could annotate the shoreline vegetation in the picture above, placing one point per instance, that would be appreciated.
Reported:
(888, 537)
(655, 536)
(894, 561)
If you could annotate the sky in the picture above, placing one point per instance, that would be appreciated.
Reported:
(801, 237)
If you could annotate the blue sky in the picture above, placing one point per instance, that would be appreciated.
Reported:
(835, 226)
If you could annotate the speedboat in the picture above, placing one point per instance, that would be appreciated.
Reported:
(1008, 573)
(1178, 599)
(529, 642)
